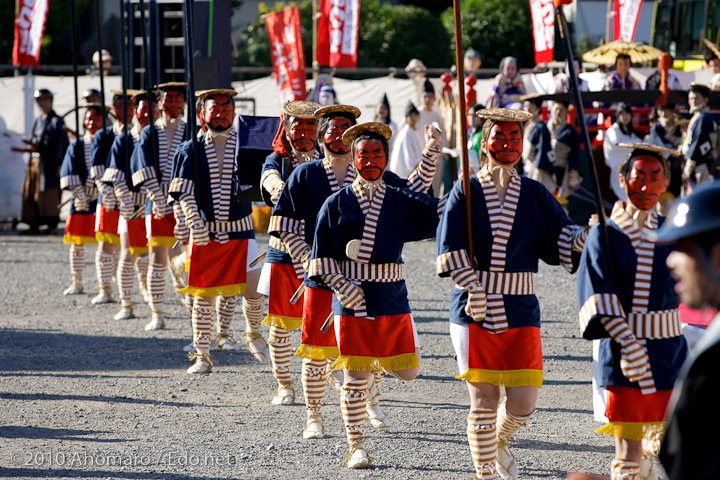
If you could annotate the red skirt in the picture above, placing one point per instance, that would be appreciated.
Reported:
(386, 341)
(160, 231)
(217, 269)
(137, 236)
(632, 414)
(80, 228)
(284, 282)
(512, 358)
(317, 307)
(106, 226)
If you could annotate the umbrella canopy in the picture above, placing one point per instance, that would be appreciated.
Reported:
(606, 54)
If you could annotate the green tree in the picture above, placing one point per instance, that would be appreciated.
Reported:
(389, 36)
(496, 28)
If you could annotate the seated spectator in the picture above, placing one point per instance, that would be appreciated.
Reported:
(653, 82)
(507, 85)
(620, 132)
(621, 79)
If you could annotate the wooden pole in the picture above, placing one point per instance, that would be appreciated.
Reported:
(75, 70)
(314, 41)
(463, 131)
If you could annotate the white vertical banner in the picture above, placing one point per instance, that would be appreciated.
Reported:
(627, 14)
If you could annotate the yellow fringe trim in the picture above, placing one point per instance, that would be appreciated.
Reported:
(138, 250)
(224, 291)
(630, 430)
(288, 323)
(107, 238)
(561, 200)
(508, 378)
(78, 239)
(162, 241)
(363, 364)
(317, 353)
(187, 265)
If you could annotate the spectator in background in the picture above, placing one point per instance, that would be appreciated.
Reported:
(620, 132)
(327, 96)
(620, 79)
(507, 85)
(711, 55)
(106, 59)
(407, 151)
(562, 80)
(382, 115)
(472, 61)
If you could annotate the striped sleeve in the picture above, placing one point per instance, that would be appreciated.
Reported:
(182, 185)
(606, 308)
(273, 183)
(97, 171)
(143, 175)
(572, 238)
(70, 181)
(421, 178)
(279, 224)
(447, 262)
(441, 204)
(324, 266)
(296, 246)
(113, 175)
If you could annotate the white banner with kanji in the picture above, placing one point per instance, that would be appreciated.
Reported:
(627, 14)
(543, 21)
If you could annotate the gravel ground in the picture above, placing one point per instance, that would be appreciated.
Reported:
(85, 396)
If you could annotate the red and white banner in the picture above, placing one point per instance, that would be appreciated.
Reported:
(627, 14)
(543, 20)
(338, 33)
(30, 18)
(287, 54)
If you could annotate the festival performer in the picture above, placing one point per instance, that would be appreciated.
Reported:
(700, 145)
(295, 144)
(132, 233)
(537, 148)
(642, 346)
(107, 215)
(306, 190)
(357, 251)
(565, 142)
(222, 239)
(494, 314)
(75, 176)
(47, 146)
(151, 166)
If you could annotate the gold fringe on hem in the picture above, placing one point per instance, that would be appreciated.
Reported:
(224, 291)
(138, 251)
(79, 240)
(162, 241)
(187, 265)
(507, 378)
(107, 238)
(630, 430)
(313, 352)
(364, 364)
(280, 321)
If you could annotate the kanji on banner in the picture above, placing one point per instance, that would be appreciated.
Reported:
(287, 54)
(29, 31)
(627, 14)
(338, 33)
(543, 20)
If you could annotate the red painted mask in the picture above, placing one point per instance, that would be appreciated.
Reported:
(645, 182)
(143, 113)
(219, 112)
(173, 103)
(303, 134)
(505, 143)
(118, 109)
(333, 136)
(370, 159)
(93, 120)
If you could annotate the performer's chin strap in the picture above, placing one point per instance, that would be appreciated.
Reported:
(504, 173)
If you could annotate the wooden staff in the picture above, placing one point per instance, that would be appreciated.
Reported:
(463, 131)
(575, 84)
(75, 69)
(101, 68)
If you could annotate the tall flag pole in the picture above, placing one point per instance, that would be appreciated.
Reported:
(124, 76)
(101, 68)
(463, 130)
(148, 79)
(190, 68)
(73, 26)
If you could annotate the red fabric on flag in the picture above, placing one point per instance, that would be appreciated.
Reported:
(543, 23)
(338, 33)
(31, 16)
(287, 54)
(627, 14)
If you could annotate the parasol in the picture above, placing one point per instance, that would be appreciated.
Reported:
(606, 54)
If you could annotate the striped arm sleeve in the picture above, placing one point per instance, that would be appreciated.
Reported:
(154, 191)
(447, 262)
(441, 204)
(144, 175)
(467, 278)
(70, 181)
(113, 175)
(97, 171)
(323, 266)
(604, 306)
(273, 183)
(296, 246)
(279, 224)
(572, 238)
(182, 185)
(421, 178)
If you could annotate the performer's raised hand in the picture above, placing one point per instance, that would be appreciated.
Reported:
(433, 136)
